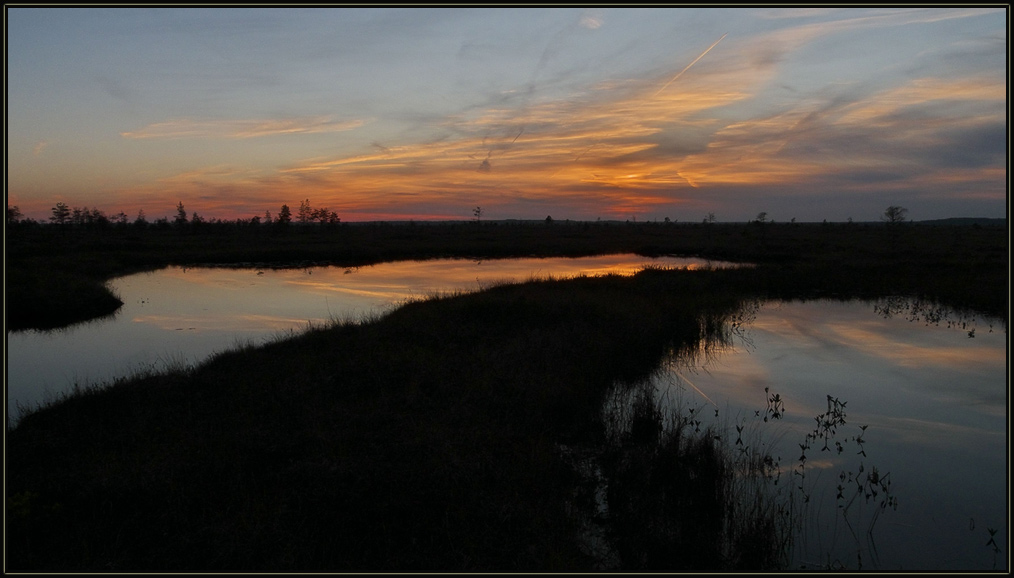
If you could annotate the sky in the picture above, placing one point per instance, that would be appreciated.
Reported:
(575, 113)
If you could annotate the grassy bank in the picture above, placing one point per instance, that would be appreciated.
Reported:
(423, 441)
(430, 439)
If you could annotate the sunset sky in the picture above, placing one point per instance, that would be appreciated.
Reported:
(585, 114)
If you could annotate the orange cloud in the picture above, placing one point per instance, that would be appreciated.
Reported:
(608, 145)
(621, 148)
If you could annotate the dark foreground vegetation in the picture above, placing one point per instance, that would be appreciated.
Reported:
(442, 436)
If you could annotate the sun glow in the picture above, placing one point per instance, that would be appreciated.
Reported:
(740, 115)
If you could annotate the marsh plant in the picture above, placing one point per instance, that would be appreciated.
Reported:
(931, 313)
(993, 546)
(861, 496)
(680, 498)
(685, 490)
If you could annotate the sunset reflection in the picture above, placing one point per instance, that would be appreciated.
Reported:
(933, 398)
(210, 297)
(186, 314)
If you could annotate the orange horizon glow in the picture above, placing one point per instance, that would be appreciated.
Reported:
(595, 152)
(619, 148)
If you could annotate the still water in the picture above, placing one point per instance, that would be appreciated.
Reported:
(931, 393)
(178, 316)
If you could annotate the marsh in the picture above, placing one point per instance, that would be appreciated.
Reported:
(357, 421)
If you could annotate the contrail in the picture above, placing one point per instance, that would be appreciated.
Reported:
(697, 389)
(691, 64)
(585, 152)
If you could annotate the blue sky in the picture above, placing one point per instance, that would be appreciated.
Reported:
(426, 113)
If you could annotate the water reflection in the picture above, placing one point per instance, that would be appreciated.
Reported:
(179, 316)
(927, 400)
(925, 390)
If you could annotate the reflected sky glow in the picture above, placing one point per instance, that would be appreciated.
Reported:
(184, 315)
(933, 398)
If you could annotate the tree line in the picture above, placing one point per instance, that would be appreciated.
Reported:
(64, 215)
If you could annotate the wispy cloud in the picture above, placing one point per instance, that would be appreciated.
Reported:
(900, 130)
(574, 113)
(591, 19)
(624, 147)
(241, 129)
(729, 119)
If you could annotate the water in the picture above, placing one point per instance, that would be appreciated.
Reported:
(178, 317)
(933, 395)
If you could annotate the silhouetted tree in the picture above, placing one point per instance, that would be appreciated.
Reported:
(762, 217)
(284, 215)
(305, 212)
(181, 215)
(894, 215)
(478, 214)
(61, 213)
(96, 218)
(324, 216)
(141, 220)
(13, 214)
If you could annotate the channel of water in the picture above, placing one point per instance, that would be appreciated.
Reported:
(931, 390)
(180, 316)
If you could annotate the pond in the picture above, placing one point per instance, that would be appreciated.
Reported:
(916, 392)
(931, 390)
(180, 316)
